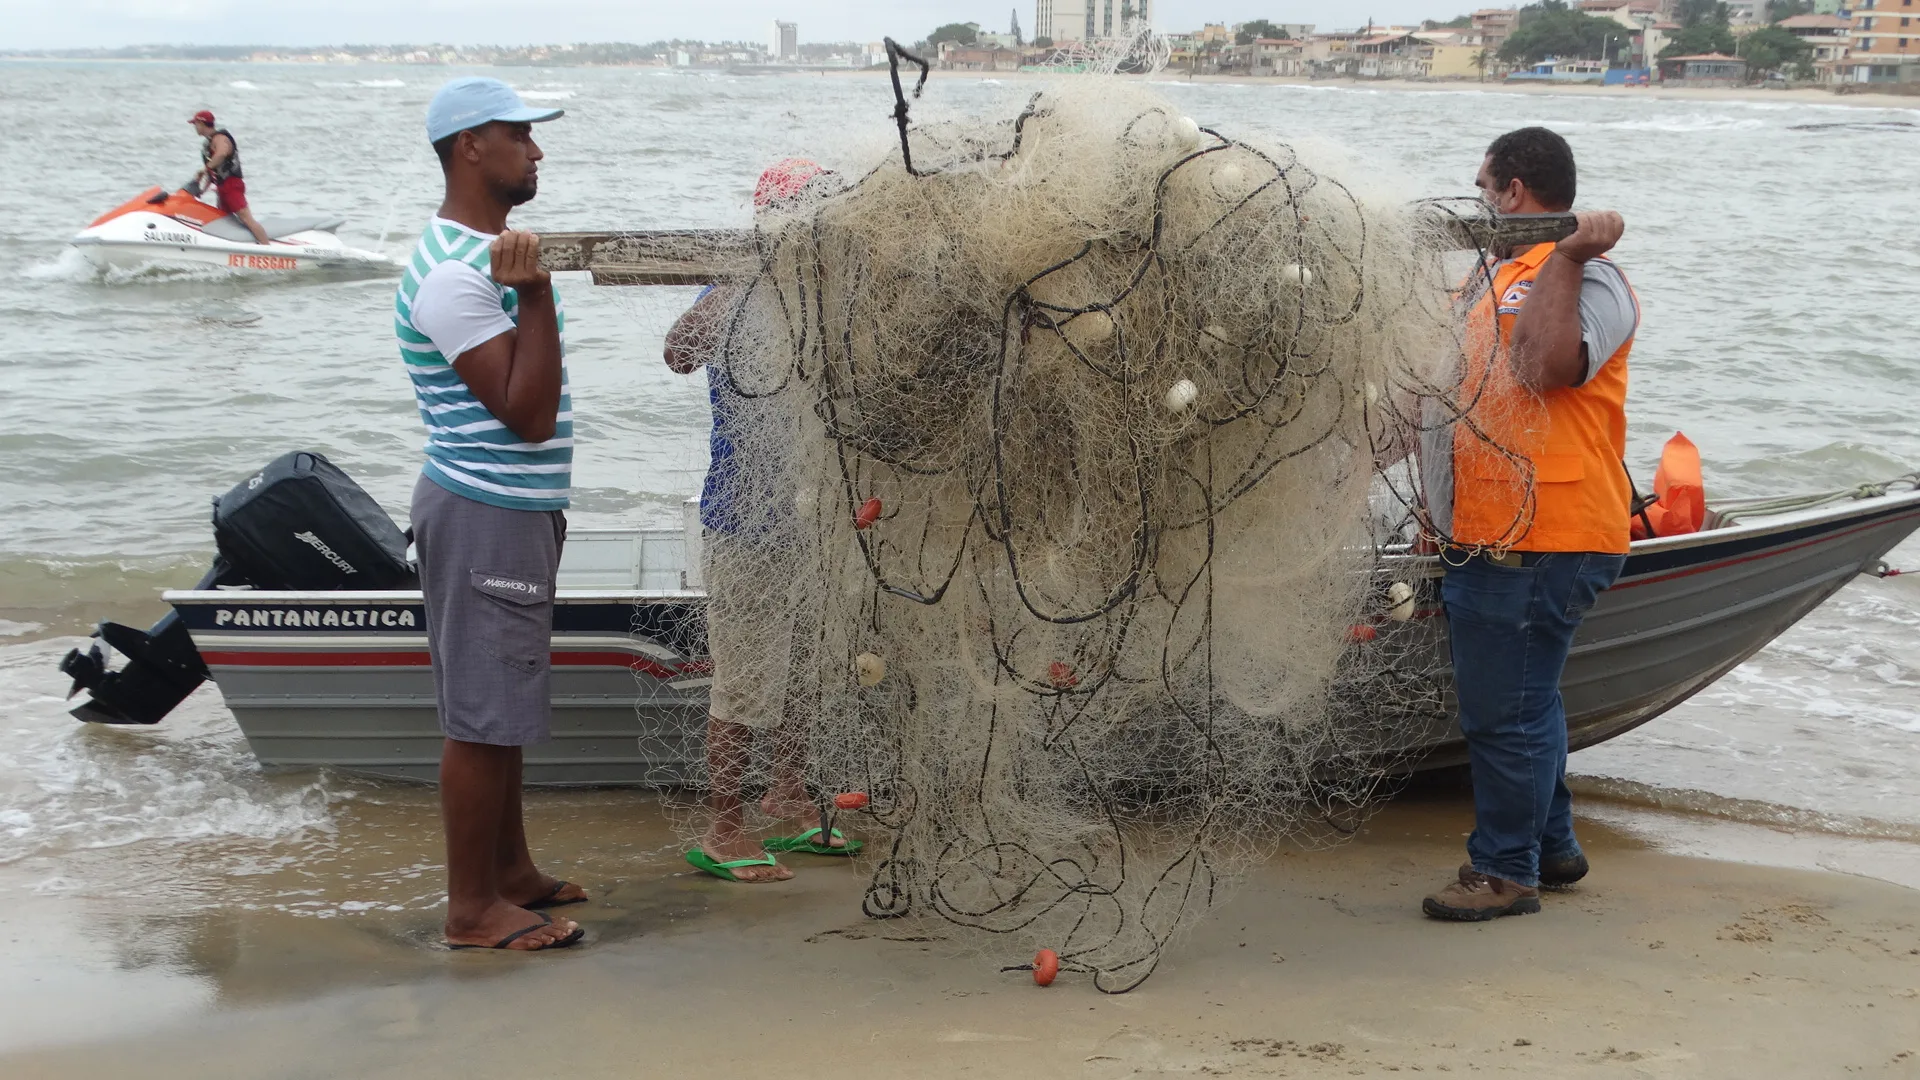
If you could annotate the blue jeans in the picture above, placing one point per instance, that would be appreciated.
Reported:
(1511, 628)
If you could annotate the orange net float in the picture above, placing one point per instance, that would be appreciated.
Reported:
(1046, 965)
(1062, 676)
(1361, 633)
(850, 800)
(868, 513)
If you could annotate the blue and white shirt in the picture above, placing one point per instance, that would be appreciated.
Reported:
(447, 304)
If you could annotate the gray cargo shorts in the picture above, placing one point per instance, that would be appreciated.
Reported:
(488, 574)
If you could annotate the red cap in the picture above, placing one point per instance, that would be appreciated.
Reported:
(784, 181)
(204, 117)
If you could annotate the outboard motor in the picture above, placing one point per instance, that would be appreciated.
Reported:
(162, 667)
(298, 524)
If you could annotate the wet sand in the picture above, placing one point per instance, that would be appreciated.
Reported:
(1321, 965)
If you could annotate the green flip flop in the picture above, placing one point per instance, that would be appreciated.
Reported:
(805, 842)
(700, 860)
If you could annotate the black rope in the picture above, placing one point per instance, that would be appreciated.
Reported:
(895, 54)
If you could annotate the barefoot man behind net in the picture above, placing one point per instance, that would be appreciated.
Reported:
(482, 336)
(757, 634)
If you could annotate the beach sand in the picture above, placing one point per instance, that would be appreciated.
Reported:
(1659, 965)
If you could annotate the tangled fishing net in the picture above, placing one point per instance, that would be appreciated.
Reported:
(1077, 443)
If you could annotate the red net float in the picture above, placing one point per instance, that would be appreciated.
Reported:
(1046, 964)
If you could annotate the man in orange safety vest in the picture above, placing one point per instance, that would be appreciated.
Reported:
(1532, 502)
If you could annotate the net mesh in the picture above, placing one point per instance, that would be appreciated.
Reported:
(1067, 505)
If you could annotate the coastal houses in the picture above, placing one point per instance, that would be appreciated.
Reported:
(1495, 25)
(1830, 36)
(1874, 42)
(1886, 44)
(1706, 69)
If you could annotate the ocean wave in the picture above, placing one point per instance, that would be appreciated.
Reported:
(73, 266)
(69, 265)
(1751, 811)
(68, 593)
(76, 787)
(1686, 125)
(547, 95)
(242, 84)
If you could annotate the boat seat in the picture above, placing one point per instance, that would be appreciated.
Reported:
(228, 227)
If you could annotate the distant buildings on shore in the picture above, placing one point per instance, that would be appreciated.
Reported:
(1087, 20)
(1870, 42)
(1862, 43)
(783, 44)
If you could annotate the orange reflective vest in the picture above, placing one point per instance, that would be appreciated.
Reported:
(1537, 471)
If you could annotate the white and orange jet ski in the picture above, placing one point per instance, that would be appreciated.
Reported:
(181, 230)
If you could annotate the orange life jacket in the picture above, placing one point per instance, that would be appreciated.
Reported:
(1680, 495)
(1537, 471)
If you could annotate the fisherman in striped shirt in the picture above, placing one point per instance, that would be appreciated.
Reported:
(480, 330)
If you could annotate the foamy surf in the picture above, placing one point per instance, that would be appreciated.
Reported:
(1816, 731)
(72, 266)
(1748, 811)
(68, 265)
(70, 787)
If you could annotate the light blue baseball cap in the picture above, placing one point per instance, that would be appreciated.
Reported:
(475, 100)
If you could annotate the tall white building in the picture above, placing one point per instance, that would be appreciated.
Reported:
(1086, 20)
(784, 42)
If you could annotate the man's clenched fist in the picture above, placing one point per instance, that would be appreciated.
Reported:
(516, 262)
(1597, 234)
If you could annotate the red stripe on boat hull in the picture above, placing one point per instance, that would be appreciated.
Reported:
(411, 658)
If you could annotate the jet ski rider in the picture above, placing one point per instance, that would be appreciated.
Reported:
(220, 170)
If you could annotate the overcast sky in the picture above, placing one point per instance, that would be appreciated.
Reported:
(47, 24)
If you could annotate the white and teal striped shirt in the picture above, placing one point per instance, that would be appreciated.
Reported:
(448, 303)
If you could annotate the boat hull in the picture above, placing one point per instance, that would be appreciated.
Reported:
(299, 252)
(343, 679)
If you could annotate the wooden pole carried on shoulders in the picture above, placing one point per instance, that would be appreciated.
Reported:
(704, 256)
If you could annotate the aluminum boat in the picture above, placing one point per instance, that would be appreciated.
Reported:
(342, 679)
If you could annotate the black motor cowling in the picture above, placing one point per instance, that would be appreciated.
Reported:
(301, 523)
(298, 524)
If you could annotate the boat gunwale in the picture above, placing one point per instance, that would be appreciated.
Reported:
(1759, 527)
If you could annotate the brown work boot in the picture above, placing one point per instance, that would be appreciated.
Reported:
(1554, 873)
(1477, 897)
